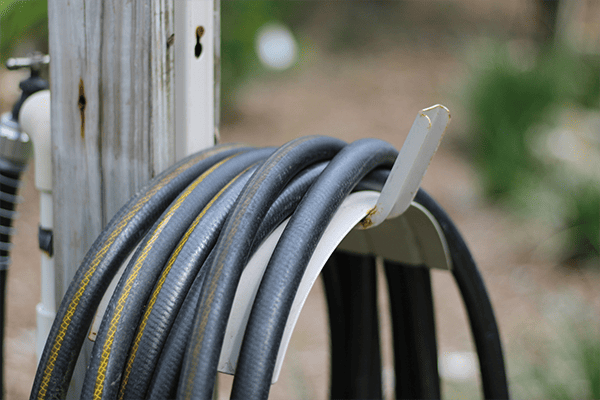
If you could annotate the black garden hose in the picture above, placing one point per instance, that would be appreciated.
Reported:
(350, 282)
(413, 331)
(477, 302)
(164, 382)
(135, 286)
(286, 267)
(101, 263)
(162, 333)
(10, 174)
(235, 241)
(176, 283)
(172, 286)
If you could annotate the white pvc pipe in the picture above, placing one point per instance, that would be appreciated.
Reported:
(34, 119)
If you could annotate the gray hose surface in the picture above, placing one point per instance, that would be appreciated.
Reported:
(290, 258)
(235, 241)
(98, 267)
(164, 381)
(163, 384)
(124, 310)
(171, 288)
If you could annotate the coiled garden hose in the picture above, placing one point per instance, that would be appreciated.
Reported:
(164, 382)
(165, 379)
(100, 264)
(162, 333)
(235, 241)
(290, 258)
(126, 306)
(172, 287)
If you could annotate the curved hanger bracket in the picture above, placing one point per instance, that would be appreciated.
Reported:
(407, 173)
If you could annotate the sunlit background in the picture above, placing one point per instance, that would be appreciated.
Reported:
(518, 170)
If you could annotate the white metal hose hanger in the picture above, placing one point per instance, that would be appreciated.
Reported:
(364, 210)
(229, 243)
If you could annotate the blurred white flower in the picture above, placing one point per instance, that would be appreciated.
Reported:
(276, 47)
(458, 365)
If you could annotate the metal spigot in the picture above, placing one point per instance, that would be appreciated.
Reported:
(15, 146)
(34, 62)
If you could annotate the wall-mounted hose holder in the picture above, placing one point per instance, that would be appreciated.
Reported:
(229, 243)
(414, 238)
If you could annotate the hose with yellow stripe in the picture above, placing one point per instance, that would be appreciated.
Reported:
(126, 228)
(232, 252)
(162, 333)
(135, 286)
(171, 288)
(160, 315)
(289, 260)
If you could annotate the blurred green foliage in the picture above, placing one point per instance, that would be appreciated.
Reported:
(27, 20)
(511, 99)
(583, 380)
(22, 21)
(568, 365)
(240, 21)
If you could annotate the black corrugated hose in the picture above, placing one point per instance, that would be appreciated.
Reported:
(10, 174)
(199, 223)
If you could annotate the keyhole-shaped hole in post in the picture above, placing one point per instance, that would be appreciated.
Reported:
(198, 47)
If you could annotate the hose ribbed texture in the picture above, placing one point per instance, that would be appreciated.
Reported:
(126, 306)
(172, 287)
(164, 381)
(235, 241)
(10, 174)
(290, 258)
(110, 249)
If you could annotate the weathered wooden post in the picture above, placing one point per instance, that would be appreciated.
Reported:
(113, 84)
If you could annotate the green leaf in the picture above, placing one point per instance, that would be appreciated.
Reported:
(20, 21)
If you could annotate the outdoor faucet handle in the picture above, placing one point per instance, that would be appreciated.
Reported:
(34, 62)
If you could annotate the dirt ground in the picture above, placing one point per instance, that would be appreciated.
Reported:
(351, 96)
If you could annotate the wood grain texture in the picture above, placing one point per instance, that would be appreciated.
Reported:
(112, 112)
(112, 116)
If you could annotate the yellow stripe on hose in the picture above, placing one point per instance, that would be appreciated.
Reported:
(99, 387)
(160, 283)
(233, 226)
(66, 321)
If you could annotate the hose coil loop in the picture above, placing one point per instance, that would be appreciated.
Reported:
(197, 225)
